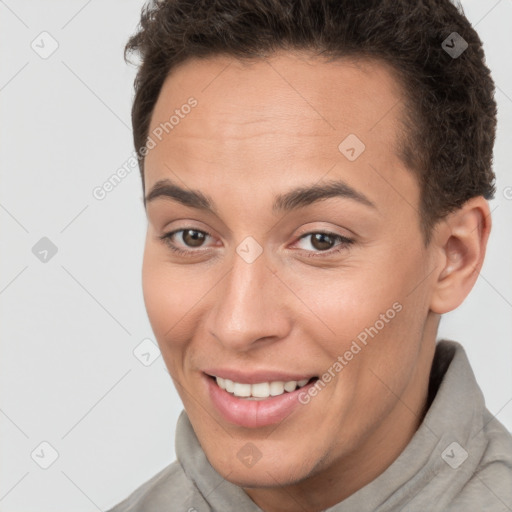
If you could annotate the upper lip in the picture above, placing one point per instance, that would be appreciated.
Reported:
(255, 377)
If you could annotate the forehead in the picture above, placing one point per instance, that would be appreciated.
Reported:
(287, 115)
(346, 93)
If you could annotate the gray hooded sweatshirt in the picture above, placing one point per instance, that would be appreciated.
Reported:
(459, 459)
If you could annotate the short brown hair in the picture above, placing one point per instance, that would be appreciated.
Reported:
(451, 111)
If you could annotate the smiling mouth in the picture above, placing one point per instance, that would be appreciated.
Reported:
(260, 390)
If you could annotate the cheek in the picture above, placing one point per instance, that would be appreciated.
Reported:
(347, 301)
(393, 308)
(170, 295)
(378, 302)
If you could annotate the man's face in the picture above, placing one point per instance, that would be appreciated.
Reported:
(260, 295)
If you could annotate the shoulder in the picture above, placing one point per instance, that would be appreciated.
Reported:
(169, 486)
(496, 463)
(491, 483)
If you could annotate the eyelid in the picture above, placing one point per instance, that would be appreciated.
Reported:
(346, 233)
(168, 235)
(343, 245)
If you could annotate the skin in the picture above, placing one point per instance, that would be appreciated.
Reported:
(260, 129)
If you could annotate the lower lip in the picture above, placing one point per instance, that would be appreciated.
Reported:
(254, 413)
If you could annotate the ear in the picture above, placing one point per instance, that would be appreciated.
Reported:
(460, 241)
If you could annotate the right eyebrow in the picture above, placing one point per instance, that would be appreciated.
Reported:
(193, 198)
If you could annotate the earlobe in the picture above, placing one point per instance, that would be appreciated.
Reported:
(461, 240)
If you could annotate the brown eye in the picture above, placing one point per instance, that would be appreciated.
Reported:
(190, 239)
(322, 241)
(193, 237)
(324, 244)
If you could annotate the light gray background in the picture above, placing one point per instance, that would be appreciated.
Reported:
(69, 326)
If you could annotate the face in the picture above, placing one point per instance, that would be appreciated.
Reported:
(250, 278)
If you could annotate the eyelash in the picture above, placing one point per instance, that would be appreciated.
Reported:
(344, 244)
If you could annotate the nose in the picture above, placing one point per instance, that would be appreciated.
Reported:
(250, 308)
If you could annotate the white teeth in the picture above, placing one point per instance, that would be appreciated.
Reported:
(261, 389)
(276, 388)
(290, 386)
(230, 386)
(242, 390)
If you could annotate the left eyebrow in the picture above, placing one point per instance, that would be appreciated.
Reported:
(304, 196)
(294, 199)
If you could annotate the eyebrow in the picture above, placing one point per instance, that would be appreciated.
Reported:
(294, 199)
